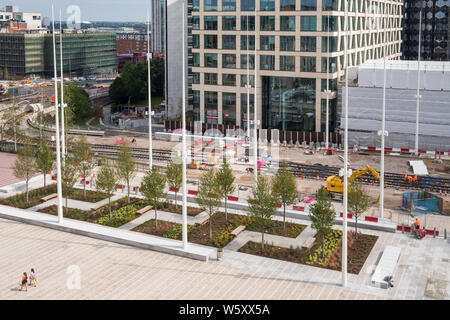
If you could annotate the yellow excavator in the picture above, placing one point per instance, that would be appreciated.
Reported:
(335, 185)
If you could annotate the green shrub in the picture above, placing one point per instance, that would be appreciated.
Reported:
(119, 217)
(223, 238)
(176, 232)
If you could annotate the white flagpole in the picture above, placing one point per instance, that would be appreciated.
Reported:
(58, 156)
(63, 143)
(344, 222)
(327, 130)
(150, 138)
(255, 126)
(383, 132)
(248, 82)
(185, 235)
(418, 87)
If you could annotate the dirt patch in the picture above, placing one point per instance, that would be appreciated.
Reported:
(191, 211)
(149, 227)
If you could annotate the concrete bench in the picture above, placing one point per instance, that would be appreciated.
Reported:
(202, 221)
(238, 230)
(49, 197)
(144, 210)
(386, 267)
(308, 243)
(95, 208)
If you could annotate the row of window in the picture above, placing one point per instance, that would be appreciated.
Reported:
(265, 5)
(267, 62)
(267, 23)
(266, 43)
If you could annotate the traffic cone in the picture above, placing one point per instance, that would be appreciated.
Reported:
(373, 183)
(445, 192)
(317, 178)
(303, 177)
(440, 193)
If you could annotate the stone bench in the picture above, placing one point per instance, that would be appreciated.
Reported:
(49, 197)
(238, 230)
(98, 206)
(386, 267)
(308, 243)
(202, 221)
(144, 210)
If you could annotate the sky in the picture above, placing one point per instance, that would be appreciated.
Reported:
(91, 10)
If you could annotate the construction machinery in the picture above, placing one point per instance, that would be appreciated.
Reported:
(335, 185)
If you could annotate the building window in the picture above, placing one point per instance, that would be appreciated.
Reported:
(287, 5)
(196, 57)
(195, 5)
(332, 85)
(267, 5)
(267, 62)
(228, 79)
(244, 107)
(244, 61)
(308, 23)
(195, 78)
(228, 42)
(247, 5)
(308, 44)
(228, 5)
(251, 40)
(287, 43)
(211, 78)
(287, 23)
(333, 44)
(211, 107)
(287, 63)
(210, 41)
(267, 43)
(332, 66)
(244, 80)
(309, 5)
(229, 23)
(308, 64)
(229, 61)
(195, 41)
(210, 5)
(210, 22)
(195, 23)
(229, 108)
(328, 5)
(330, 22)
(267, 23)
(196, 104)
(210, 60)
(251, 23)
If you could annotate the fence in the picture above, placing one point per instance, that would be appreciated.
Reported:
(422, 202)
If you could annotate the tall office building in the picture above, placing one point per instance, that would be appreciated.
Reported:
(293, 40)
(435, 30)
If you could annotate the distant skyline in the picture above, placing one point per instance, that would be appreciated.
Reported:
(91, 10)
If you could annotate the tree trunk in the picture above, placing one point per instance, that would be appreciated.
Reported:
(84, 187)
(323, 247)
(262, 242)
(210, 224)
(45, 179)
(156, 218)
(128, 188)
(176, 200)
(226, 212)
(67, 208)
(356, 227)
(27, 189)
(284, 218)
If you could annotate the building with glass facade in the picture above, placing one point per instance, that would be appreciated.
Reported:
(295, 40)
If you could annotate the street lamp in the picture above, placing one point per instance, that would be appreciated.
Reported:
(150, 141)
(184, 226)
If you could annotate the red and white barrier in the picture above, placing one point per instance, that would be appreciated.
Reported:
(405, 150)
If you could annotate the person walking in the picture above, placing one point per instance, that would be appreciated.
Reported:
(33, 278)
(417, 223)
(24, 282)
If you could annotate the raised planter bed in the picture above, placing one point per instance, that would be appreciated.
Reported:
(191, 211)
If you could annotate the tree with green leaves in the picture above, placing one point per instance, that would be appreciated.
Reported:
(285, 188)
(69, 176)
(107, 180)
(208, 195)
(358, 202)
(322, 215)
(78, 103)
(45, 159)
(225, 180)
(262, 205)
(85, 160)
(25, 165)
(126, 166)
(174, 175)
(153, 186)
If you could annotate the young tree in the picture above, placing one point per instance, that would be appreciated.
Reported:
(45, 159)
(107, 181)
(174, 175)
(358, 202)
(25, 165)
(285, 188)
(153, 186)
(126, 166)
(208, 195)
(69, 175)
(322, 215)
(263, 204)
(83, 156)
(225, 181)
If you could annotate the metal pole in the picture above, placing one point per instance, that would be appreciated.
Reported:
(418, 86)
(344, 222)
(383, 132)
(248, 82)
(327, 128)
(185, 239)
(63, 143)
(58, 156)
(14, 119)
(255, 126)
(150, 138)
